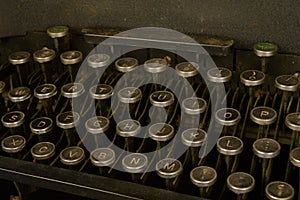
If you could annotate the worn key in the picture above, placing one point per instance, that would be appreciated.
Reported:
(265, 50)
(263, 116)
(42, 127)
(169, 169)
(20, 60)
(14, 121)
(72, 157)
(68, 121)
(135, 163)
(60, 37)
(266, 149)
(20, 96)
(44, 57)
(240, 183)
(43, 152)
(193, 107)
(204, 177)
(194, 139)
(103, 158)
(230, 147)
(129, 129)
(14, 145)
(279, 190)
(71, 59)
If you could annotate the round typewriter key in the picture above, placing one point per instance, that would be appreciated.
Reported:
(162, 98)
(13, 145)
(19, 95)
(194, 105)
(72, 90)
(103, 158)
(98, 60)
(187, 69)
(71, 59)
(102, 94)
(220, 75)
(67, 121)
(135, 164)
(43, 151)
(130, 95)
(230, 147)
(96, 126)
(252, 78)
(279, 190)
(45, 93)
(156, 65)
(126, 64)
(128, 129)
(58, 31)
(194, 138)
(266, 149)
(42, 127)
(265, 50)
(288, 83)
(227, 116)
(169, 169)
(203, 177)
(59, 35)
(20, 59)
(240, 183)
(161, 132)
(42, 57)
(72, 156)
(292, 121)
(14, 121)
(263, 115)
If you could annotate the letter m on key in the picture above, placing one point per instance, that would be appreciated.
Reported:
(169, 167)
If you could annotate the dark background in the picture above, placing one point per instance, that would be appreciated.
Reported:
(244, 21)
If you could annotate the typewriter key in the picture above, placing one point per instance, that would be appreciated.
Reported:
(96, 126)
(265, 50)
(279, 190)
(135, 164)
(162, 98)
(71, 59)
(194, 139)
(128, 129)
(20, 96)
(230, 146)
(98, 60)
(169, 169)
(187, 69)
(194, 105)
(42, 127)
(126, 64)
(131, 96)
(203, 177)
(42, 152)
(20, 59)
(266, 149)
(72, 156)
(43, 57)
(103, 158)
(59, 33)
(156, 66)
(45, 93)
(102, 94)
(292, 121)
(72, 90)
(295, 157)
(228, 117)
(252, 79)
(13, 145)
(240, 183)
(263, 116)
(287, 83)
(219, 75)
(67, 121)
(14, 121)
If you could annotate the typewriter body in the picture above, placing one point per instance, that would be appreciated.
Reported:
(249, 102)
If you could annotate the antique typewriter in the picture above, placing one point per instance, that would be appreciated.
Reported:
(251, 107)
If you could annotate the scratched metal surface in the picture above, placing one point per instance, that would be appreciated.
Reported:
(244, 21)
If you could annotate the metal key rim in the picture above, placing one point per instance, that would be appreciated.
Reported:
(43, 156)
(15, 149)
(13, 124)
(102, 163)
(230, 152)
(273, 197)
(200, 183)
(263, 154)
(238, 190)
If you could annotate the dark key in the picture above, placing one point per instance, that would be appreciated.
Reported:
(240, 183)
(14, 145)
(42, 127)
(44, 57)
(45, 93)
(279, 190)
(20, 96)
(20, 59)
(72, 157)
(42, 152)
(71, 59)
(102, 94)
(14, 121)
